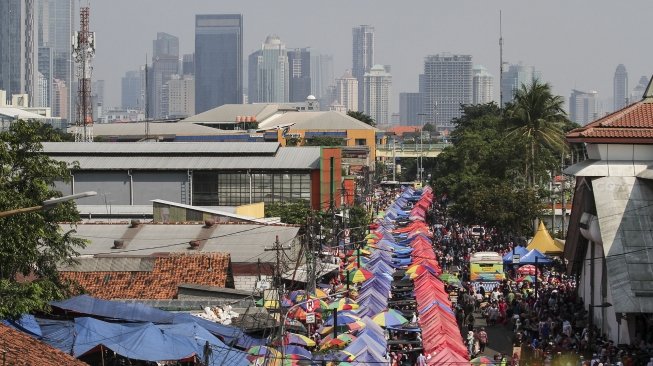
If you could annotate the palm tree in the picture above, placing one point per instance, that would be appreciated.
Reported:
(535, 117)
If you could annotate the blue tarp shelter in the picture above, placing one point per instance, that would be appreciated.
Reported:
(507, 259)
(529, 258)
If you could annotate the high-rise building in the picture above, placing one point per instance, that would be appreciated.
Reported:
(18, 47)
(583, 106)
(132, 87)
(482, 85)
(514, 76)
(620, 87)
(271, 80)
(639, 89)
(60, 96)
(362, 54)
(97, 98)
(447, 84)
(60, 23)
(45, 77)
(299, 65)
(346, 92)
(410, 109)
(252, 79)
(376, 95)
(181, 96)
(165, 63)
(218, 60)
(322, 77)
(188, 65)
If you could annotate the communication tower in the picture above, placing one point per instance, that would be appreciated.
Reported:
(83, 52)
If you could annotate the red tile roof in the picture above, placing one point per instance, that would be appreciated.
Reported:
(632, 124)
(401, 130)
(18, 348)
(211, 269)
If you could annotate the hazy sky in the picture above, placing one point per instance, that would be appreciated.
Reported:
(574, 43)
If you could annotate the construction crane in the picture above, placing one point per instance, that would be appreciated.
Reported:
(83, 52)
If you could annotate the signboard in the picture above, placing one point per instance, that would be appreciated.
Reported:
(310, 318)
(347, 241)
(515, 258)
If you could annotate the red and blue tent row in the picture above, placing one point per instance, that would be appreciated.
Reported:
(446, 357)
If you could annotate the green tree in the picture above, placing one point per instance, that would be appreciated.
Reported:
(290, 212)
(428, 127)
(324, 141)
(359, 219)
(362, 117)
(536, 118)
(32, 244)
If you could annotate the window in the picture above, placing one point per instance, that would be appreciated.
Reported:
(361, 142)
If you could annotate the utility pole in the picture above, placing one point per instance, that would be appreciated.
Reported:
(278, 280)
(311, 257)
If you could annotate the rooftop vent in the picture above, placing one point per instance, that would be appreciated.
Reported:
(118, 244)
(135, 223)
(209, 222)
(194, 244)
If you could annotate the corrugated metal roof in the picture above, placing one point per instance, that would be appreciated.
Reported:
(119, 264)
(229, 112)
(137, 129)
(211, 211)
(291, 158)
(159, 148)
(245, 243)
(317, 121)
(12, 112)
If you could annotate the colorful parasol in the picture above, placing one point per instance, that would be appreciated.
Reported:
(359, 275)
(302, 340)
(527, 278)
(389, 318)
(333, 343)
(343, 304)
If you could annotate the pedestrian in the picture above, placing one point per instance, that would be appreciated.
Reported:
(421, 359)
(482, 339)
(470, 343)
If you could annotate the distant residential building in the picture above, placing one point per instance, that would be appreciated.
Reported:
(181, 96)
(272, 82)
(376, 95)
(347, 92)
(583, 106)
(165, 63)
(45, 70)
(482, 85)
(188, 64)
(362, 54)
(218, 60)
(252, 79)
(133, 92)
(299, 66)
(447, 84)
(12, 46)
(514, 76)
(638, 91)
(322, 76)
(122, 115)
(410, 109)
(620, 87)
(60, 25)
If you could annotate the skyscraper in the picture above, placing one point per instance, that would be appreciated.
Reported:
(132, 85)
(639, 89)
(362, 54)
(165, 63)
(514, 77)
(620, 87)
(322, 76)
(299, 65)
(482, 85)
(61, 15)
(583, 107)
(272, 82)
(188, 65)
(447, 85)
(12, 47)
(218, 60)
(347, 92)
(410, 109)
(376, 95)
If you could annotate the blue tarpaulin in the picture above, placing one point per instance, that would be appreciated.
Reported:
(135, 312)
(530, 258)
(517, 250)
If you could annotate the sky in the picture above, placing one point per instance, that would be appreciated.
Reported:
(573, 43)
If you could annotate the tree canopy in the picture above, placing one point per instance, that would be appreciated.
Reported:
(32, 243)
(489, 170)
(362, 117)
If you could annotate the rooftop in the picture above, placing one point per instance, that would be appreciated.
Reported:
(229, 113)
(317, 121)
(18, 348)
(632, 124)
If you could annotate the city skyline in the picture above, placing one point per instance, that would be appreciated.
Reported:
(403, 36)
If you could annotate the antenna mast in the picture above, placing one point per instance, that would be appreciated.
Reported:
(500, 63)
(83, 52)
